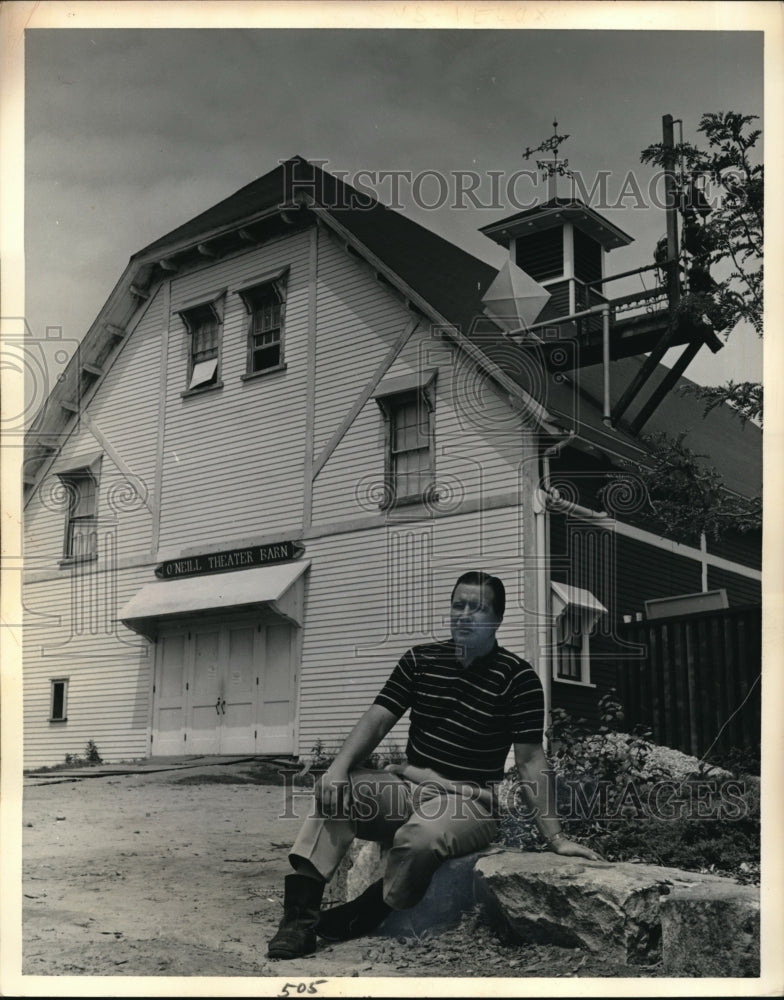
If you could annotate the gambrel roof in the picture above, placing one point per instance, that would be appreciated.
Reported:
(435, 277)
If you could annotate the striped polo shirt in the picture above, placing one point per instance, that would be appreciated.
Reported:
(464, 719)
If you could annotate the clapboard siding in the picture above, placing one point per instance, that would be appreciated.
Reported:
(374, 593)
(359, 320)
(233, 457)
(742, 548)
(629, 573)
(478, 448)
(124, 412)
(740, 589)
(109, 669)
(45, 512)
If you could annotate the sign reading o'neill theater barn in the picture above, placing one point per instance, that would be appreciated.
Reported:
(218, 562)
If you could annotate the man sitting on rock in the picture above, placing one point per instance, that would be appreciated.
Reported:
(470, 700)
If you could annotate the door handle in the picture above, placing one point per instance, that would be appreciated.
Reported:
(223, 706)
(217, 706)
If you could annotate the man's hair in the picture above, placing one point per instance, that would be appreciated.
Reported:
(479, 579)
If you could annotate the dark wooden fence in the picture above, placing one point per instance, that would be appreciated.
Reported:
(697, 684)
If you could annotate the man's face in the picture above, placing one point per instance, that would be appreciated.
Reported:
(472, 618)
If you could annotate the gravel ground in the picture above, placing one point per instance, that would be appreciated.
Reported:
(181, 873)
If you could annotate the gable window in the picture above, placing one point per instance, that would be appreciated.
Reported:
(576, 612)
(265, 303)
(58, 700)
(204, 323)
(408, 405)
(80, 486)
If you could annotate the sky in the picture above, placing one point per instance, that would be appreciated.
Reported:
(129, 133)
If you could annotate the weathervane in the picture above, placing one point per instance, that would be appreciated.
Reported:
(551, 169)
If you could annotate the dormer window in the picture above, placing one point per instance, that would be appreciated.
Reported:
(265, 302)
(204, 323)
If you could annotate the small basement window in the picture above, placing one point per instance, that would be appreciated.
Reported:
(265, 302)
(58, 710)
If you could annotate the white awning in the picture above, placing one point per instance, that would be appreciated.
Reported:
(271, 586)
(574, 596)
(565, 597)
(405, 383)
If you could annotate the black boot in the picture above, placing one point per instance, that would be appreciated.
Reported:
(356, 918)
(301, 902)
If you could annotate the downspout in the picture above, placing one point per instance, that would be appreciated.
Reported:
(542, 521)
(544, 500)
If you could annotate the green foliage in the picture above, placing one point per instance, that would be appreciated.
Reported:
(721, 198)
(743, 760)
(687, 496)
(322, 757)
(744, 397)
(614, 793)
(91, 756)
(392, 755)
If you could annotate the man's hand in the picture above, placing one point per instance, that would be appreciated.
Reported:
(333, 792)
(571, 849)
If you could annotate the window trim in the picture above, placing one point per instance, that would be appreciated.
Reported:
(216, 305)
(53, 681)
(278, 282)
(390, 396)
(91, 469)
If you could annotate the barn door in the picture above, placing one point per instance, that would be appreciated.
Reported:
(225, 688)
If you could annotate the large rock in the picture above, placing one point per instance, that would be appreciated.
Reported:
(711, 929)
(633, 914)
(614, 909)
(449, 895)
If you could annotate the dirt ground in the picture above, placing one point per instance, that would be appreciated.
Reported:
(180, 873)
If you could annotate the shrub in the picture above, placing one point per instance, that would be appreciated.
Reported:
(609, 787)
(91, 756)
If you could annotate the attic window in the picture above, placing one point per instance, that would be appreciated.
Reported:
(204, 323)
(265, 302)
(80, 486)
(408, 405)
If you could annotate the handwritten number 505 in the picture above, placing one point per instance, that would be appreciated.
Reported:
(301, 987)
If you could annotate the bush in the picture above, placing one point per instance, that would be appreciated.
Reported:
(321, 757)
(91, 756)
(616, 791)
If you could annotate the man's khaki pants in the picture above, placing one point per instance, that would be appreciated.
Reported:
(425, 824)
